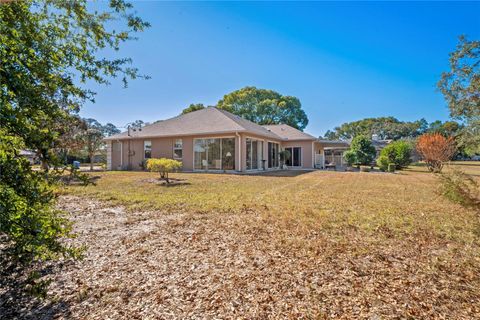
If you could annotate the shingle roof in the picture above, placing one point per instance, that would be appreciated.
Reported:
(288, 133)
(206, 121)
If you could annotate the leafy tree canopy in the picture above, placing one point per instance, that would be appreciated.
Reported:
(461, 85)
(384, 127)
(265, 107)
(193, 107)
(461, 89)
(48, 51)
(361, 151)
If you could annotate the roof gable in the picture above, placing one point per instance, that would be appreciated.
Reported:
(206, 121)
(288, 133)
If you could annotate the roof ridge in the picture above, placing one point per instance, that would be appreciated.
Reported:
(230, 115)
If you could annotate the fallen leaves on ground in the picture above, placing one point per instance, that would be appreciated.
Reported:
(152, 265)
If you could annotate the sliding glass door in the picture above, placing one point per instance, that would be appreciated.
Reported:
(214, 154)
(273, 158)
(295, 159)
(254, 154)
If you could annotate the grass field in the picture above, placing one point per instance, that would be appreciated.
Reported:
(404, 202)
(283, 245)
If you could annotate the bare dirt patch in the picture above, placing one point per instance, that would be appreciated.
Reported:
(152, 265)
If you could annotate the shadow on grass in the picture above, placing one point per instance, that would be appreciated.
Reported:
(17, 301)
(174, 182)
(279, 173)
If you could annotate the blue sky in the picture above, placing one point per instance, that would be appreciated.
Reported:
(345, 61)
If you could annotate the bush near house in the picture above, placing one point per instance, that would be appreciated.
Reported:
(397, 153)
(163, 166)
(361, 151)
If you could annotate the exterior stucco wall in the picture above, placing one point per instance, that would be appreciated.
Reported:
(307, 149)
(163, 148)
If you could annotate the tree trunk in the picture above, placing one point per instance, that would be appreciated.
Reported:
(91, 161)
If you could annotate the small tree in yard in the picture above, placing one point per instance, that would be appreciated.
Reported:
(435, 149)
(397, 153)
(361, 151)
(163, 166)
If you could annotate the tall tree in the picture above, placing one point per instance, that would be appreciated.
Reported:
(265, 107)
(92, 138)
(383, 127)
(461, 89)
(193, 107)
(49, 50)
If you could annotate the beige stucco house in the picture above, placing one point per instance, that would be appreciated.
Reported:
(216, 140)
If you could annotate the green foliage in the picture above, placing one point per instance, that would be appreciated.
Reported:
(27, 214)
(164, 166)
(73, 175)
(361, 151)
(193, 107)
(350, 157)
(265, 107)
(49, 51)
(397, 152)
(382, 162)
(91, 137)
(391, 167)
(461, 86)
(447, 128)
(383, 127)
(461, 89)
(460, 188)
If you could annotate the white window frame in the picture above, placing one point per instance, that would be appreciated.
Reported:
(204, 138)
(145, 148)
(259, 161)
(301, 155)
(278, 155)
(177, 148)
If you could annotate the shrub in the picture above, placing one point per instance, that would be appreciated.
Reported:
(383, 162)
(349, 156)
(460, 188)
(361, 151)
(397, 152)
(391, 167)
(163, 166)
(435, 149)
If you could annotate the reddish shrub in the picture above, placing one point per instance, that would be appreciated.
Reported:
(435, 149)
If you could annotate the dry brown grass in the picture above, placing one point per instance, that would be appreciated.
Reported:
(312, 245)
(406, 202)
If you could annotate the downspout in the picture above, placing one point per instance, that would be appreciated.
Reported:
(121, 153)
(239, 151)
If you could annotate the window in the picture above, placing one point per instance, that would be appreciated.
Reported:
(214, 154)
(178, 149)
(295, 159)
(147, 149)
(254, 154)
(273, 161)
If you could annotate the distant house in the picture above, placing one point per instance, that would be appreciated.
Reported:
(216, 140)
